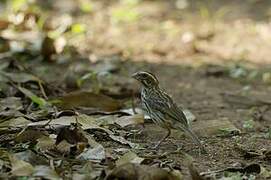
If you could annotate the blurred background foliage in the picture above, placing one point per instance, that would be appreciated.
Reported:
(193, 32)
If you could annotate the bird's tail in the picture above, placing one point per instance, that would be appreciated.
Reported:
(195, 139)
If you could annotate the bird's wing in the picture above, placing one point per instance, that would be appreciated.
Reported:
(169, 108)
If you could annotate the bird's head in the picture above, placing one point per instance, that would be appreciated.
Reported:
(147, 79)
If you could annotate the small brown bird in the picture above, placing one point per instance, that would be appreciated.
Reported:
(161, 108)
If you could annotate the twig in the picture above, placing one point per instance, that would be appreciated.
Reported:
(42, 90)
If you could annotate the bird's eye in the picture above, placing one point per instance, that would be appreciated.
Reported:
(144, 75)
(149, 81)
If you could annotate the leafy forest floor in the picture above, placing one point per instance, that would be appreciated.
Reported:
(70, 109)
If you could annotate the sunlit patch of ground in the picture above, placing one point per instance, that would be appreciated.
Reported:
(159, 31)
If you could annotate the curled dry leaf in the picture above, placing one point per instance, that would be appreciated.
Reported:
(4, 45)
(11, 103)
(45, 143)
(19, 77)
(29, 135)
(45, 172)
(121, 140)
(265, 174)
(89, 99)
(86, 122)
(10, 107)
(129, 157)
(95, 151)
(31, 157)
(65, 148)
(20, 167)
(11, 113)
(48, 48)
(87, 172)
(72, 134)
(130, 120)
(4, 24)
(15, 122)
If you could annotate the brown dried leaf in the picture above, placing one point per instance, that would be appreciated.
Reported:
(4, 45)
(45, 172)
(95, 151)
(15, 122)
(45, 143)
(87, 122)
(4, 24)
(89, 99)
(20, 77)
(29, 135)
(129, 157)
(48, 48)
(19, 167)
(129, 120)
(130, 171)
(72, 134)
(30, 157)
(221, 127)
(13, 103)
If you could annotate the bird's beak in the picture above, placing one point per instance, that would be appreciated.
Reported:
(134, 75)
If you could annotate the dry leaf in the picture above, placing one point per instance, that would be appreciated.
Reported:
(15, 122)
(29, 135)
(48, 48)
(215, 127)
(19, 167)
(89, 99)
(11, 103)
(129, 120)
(129, 157)
(72, 134)
(45, 143)
(45, 172)
(96, 153)
(130, 171)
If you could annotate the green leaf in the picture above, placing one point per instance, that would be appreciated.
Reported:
(125, 14)
(86, 6)
(130, 2)
(78, 28)
(16, 5)
(249, 124)
(34, 98)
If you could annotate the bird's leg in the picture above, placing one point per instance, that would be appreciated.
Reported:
(196, 139)
(165, 137)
